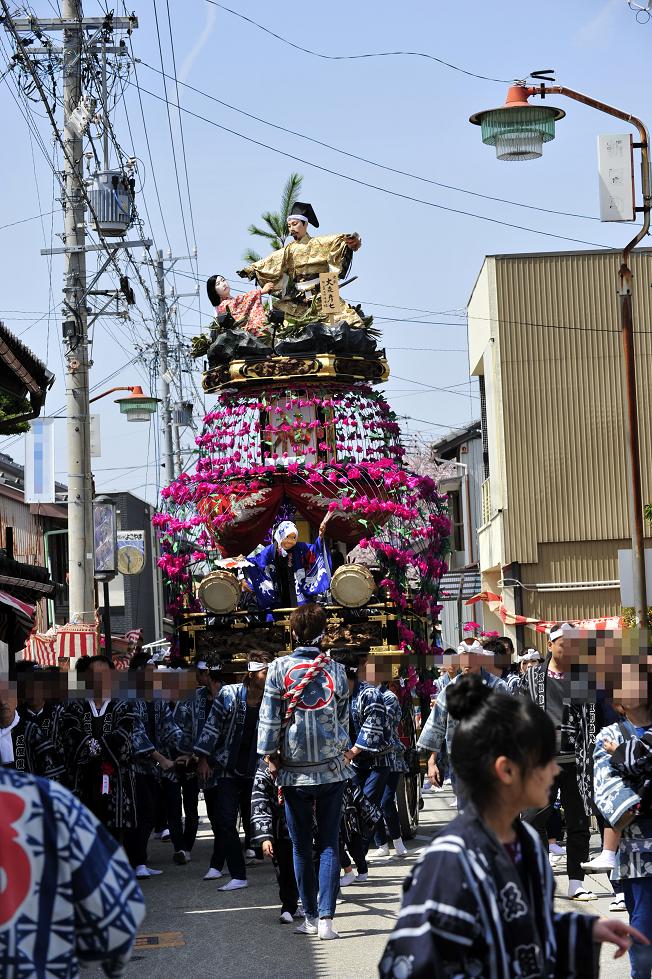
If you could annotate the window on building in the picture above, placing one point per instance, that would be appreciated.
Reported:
(483, 423)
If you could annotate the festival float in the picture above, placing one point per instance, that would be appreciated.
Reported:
(301, 491)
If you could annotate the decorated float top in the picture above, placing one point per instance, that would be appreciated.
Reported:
(298, 431)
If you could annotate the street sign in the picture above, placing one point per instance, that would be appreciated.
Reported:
(96, 441)
(616, 173)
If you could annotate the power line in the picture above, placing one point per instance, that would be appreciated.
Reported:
(371, 186)
(34, 217)
(363, 159)
(356, 57)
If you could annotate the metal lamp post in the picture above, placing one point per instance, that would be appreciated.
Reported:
(518, 131)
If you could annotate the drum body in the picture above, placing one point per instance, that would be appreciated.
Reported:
(352, 585)
(219, 592)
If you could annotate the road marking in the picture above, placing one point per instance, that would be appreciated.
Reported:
(161, 939)
(256, 907)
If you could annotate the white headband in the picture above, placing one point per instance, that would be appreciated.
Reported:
(475, 647)
(253, 666)
(201, 665)
(558, 633)
(298, 217)
(529, 655)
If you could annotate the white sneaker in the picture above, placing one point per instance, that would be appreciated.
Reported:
(555, 850)
(361, 878)
(165, 835)
(426, 787)
(325, 930)
(286, 918)
(181, 857)
(212, 874)
(382, 851)
(307, 927)
(347, 879)
(603, 863)
(248, 854)
(298, 914)
(234, 885)
(399, 847)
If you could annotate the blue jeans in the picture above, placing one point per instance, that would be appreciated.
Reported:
(390, 827)
(325, 802)
(638, 898)
(372, 781)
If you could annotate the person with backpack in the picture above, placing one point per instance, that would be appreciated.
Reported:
(303, 730)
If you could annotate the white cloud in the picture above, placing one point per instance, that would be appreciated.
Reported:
(193, 54)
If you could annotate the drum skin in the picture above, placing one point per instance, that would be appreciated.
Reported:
(220, 592)
(352, 585)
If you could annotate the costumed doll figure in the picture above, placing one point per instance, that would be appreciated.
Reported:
(288, 572)
(293, 271)
(247, 309)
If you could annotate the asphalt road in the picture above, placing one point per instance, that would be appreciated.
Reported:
(193, 930)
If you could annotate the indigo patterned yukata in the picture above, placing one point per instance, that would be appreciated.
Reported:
(98, 755)
(473, 909)
(311, 566)
(312, 745)
(222, 733)
(370, 728)
(70, 895)
(154, 730)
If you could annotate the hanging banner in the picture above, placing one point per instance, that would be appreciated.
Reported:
(39, 461)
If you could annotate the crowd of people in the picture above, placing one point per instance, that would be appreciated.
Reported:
(302, 753)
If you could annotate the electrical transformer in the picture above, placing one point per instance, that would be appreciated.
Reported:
(111, 195)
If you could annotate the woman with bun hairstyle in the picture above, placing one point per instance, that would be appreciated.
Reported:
(480, 900)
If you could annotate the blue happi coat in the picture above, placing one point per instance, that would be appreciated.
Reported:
(167, 736)
(190, 716)
(312, 573)
(395, 759)
(312, 745)
(71, 896)
(221, 736)
(370, 725)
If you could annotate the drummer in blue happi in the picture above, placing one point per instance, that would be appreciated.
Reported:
(288, 572)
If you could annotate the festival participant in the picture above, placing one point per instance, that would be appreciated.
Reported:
(390, 826)
(304, 720)
(440, 728)
(622, 774)
(33, 735)
(228, 745)
(288, 572)
(549, 686)
(480, 901)
(370, 733)
(269, 830)
(182, 795)
(96, 734)
(68, 895)
(156, 742)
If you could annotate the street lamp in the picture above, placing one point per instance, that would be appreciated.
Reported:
(137, 407)
(518, 130)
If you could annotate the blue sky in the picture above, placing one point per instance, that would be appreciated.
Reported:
(406, 113)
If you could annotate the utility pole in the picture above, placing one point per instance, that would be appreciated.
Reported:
(80, 490)
(164, 368)
(76, 290)
(172, 460)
